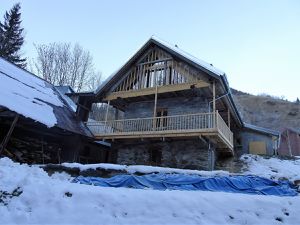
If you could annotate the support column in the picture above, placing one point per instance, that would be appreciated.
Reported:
(7, 137)
(106, 114)
(214, 96)
(228, 118)
(116, 114)
(155, 102)
(211, 156)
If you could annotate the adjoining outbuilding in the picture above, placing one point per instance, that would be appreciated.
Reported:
(38, 123)
(290, 142)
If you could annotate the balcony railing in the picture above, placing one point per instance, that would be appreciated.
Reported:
(179, 124)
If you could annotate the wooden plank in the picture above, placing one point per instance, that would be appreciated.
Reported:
(151, 91)
(160, 133)
(7, 137)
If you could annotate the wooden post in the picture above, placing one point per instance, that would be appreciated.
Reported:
(289, 144)
(116, 114)
(106, 115)
(216, 114)
(214, 96)
(228, 118)
(155, 102)
(154, 111)
(6, 139)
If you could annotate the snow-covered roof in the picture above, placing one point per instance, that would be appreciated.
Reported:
(27, 94)
(34, 98)
(63, 90)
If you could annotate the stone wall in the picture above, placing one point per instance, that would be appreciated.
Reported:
(248, 136)
(185, 154)
(174, 106)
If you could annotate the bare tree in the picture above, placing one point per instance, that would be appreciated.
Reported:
(64, 64)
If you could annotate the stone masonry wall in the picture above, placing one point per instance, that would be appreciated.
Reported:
(175, 106)
(185, 154)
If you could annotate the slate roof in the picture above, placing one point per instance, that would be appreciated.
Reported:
(262, 129)
(34, 98)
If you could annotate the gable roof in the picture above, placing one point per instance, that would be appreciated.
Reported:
(200, 64)
(180, 54)
(34, 98)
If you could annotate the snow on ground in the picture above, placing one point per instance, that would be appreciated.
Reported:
(142, 169)
(43, 199)
(272, 168)
(27, 94)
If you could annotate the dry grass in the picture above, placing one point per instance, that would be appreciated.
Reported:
(268, 112)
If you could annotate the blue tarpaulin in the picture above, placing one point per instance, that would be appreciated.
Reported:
(236, 184)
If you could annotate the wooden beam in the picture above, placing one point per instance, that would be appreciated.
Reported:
(160, 89)
(11, 129)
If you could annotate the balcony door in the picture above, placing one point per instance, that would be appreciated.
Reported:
(161, 119)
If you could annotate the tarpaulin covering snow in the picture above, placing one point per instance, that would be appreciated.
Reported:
(236, 184)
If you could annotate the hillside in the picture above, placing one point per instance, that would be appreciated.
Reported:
(267, 111)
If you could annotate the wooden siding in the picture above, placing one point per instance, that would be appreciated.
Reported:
(156, 69)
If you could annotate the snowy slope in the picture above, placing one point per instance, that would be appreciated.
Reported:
(272, 168)
(55, 200)
(26, 94)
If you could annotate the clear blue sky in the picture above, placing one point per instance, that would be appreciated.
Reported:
(257, 42)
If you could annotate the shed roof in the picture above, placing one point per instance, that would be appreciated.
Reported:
(32, 97)
(261, 129)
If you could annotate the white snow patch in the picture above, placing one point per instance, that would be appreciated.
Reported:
(26, 94)
(142, 169)
(54, 200)
(272, 168)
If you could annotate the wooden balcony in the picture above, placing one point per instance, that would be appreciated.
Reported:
(210, 125)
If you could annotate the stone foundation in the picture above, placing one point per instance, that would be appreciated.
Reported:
(183, 154)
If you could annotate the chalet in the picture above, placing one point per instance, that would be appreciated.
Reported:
(165, 107)
(38, 123)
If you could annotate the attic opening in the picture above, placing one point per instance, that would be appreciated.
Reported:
(156, 68)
